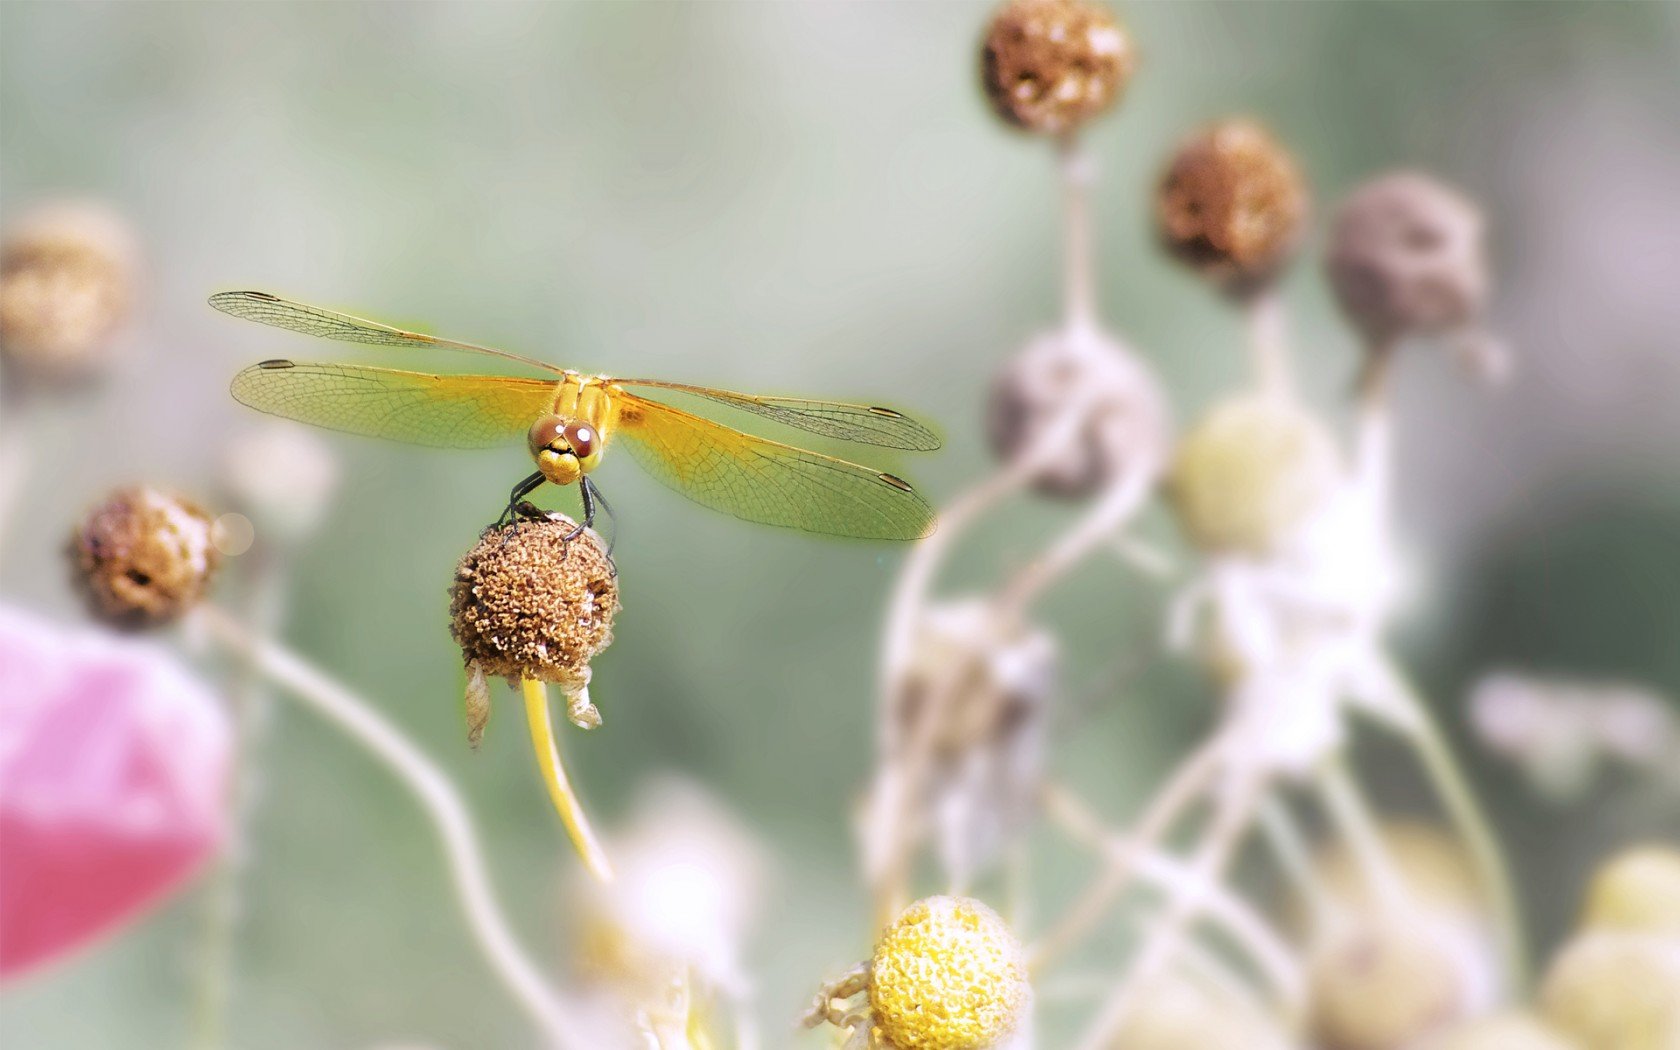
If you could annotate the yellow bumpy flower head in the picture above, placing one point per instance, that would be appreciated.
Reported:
(947, 975)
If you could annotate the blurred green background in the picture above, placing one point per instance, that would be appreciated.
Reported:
(808, 198)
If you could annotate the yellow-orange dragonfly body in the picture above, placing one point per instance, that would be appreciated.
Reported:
(569, 420)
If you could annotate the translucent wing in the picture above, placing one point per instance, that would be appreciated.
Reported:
(264, 308)
(765, 481)
(438, 410)
(865, 424)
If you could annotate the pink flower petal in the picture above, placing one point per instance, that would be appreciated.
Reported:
(113, 762)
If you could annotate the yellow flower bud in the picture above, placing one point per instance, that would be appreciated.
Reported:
(947, 975)
(1616, 991)
(1637, 890)
(1516, 1030)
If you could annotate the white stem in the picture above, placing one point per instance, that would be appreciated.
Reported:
(1277, 825)
(1079, 266)
(16, 423)
(1353, 819)
(1114, 509)
(1268, 346)
(439, 799)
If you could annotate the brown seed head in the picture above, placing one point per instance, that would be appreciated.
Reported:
(1232, 204)
(1125, 421)
(1051, 65)
(1406, 258)
(66, 282)
(143, 556)
(528, 604)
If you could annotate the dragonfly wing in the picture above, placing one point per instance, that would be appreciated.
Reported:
(444, 411)
(765, 481)
(865, 424)
(264, 308)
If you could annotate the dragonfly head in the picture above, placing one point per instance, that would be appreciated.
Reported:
(565, 449)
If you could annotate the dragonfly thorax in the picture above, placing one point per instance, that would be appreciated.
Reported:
(565, 449)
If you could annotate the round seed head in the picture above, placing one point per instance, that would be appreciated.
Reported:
(947, 975)
(1388, 981)
(1406, 258)
(526, 603)
(67, 272)
(1616, 991)
(143, 557)
(1515, 1030)
(1637, 890)
(1050, 66)
(1232, 204)
(1124, 425)
(1249, 473)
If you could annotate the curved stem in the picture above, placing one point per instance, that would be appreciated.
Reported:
(1277, 825)
(1352, 816)
(436, 795)
(1113, 510)
(547, 751)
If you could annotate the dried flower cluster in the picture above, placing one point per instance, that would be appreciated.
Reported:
(144, 556)
(1051, 65)
(67, 273)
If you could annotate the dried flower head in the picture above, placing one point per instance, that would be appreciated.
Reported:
(1124, 423)
(1232, 204)
(1406, 258)
(1616, 991)
(144, 556)
(528, 603)
(1251, 471)
(1514, 1030)
(67, 272)
(1386, 981)
(1637, 890)
(948, 974)
(1052, 65)
(1174, 1012)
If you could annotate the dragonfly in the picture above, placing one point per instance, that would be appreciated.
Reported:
(569, 420)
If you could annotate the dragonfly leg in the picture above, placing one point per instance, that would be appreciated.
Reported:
(511, 513)
(612, 541)
(587, 490)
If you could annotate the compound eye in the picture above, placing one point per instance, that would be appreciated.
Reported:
(545, 433)
(582, 438)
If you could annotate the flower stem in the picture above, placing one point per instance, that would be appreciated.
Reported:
(1352, 816)
(442, 805)
(547, 750)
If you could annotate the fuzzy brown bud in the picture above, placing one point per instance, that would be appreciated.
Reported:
(1050, 66)
(528, 603)
(1125, 422)
(1232, 204)
(143, 556)
(1406, 258)
(66, 283)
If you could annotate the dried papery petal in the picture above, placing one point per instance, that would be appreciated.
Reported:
(526, 603)
(1637, 890)
(113, 763)
(477, 704)
(976, 695)
(1250, 473)
(1232, 204)
(1124, 424)
(1406, 258)
(1050, 66)
(144, 557)
(948, 974)
(67, 272)
(1616, 991)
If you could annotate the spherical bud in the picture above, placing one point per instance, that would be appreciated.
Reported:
(144, 557)
(1050, 66)
(528, 603)
(283, 476)
(1175, 1013)
(1616, 991)
(1406, 258)
(1515, 1030)
(1249, 473)
(1637, 890)
(1124, 422)
(1232, 204)
(1387, 981)
(67, 273)
(948, 974)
